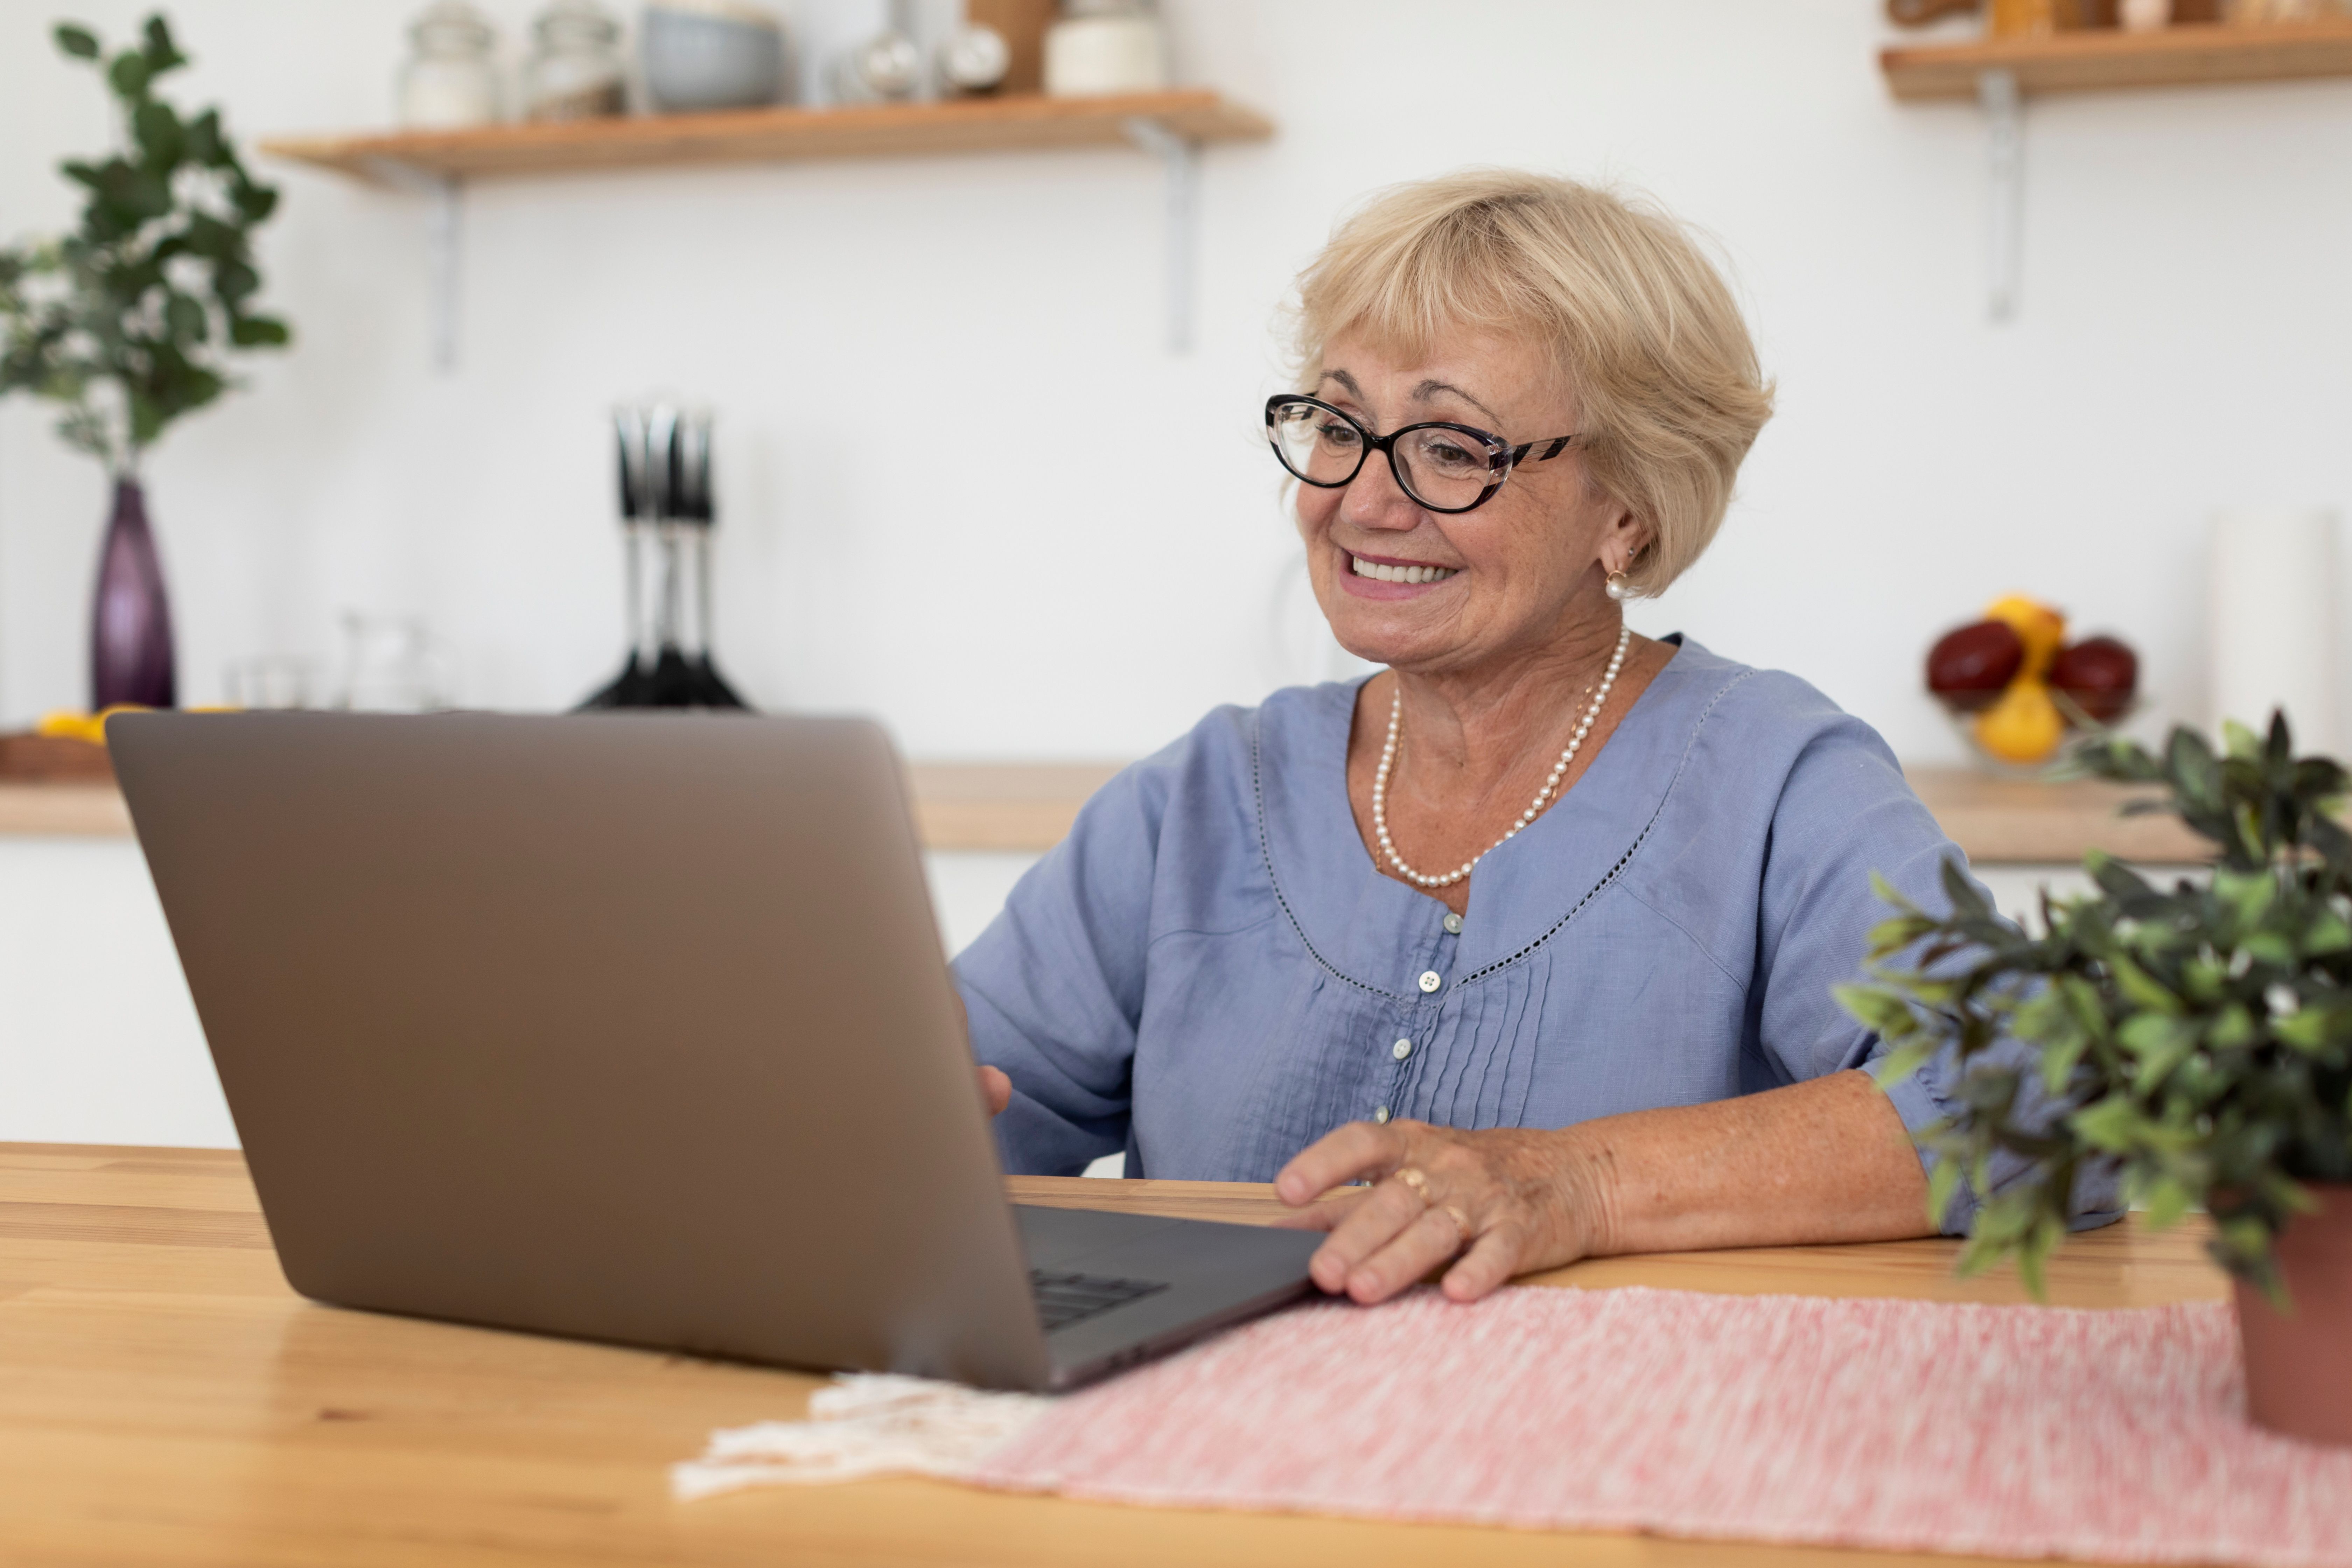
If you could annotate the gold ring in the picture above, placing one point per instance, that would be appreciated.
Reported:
(1418, 1183)
(1460, 1221)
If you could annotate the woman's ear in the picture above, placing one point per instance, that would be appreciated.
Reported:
(1622, 544)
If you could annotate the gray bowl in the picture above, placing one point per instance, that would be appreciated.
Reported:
(696, 60)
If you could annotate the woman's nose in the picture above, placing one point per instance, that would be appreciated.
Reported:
(1375, 500)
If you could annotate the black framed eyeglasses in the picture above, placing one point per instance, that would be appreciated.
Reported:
(1444, 466)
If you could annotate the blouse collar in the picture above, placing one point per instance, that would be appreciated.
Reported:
(1523, 891)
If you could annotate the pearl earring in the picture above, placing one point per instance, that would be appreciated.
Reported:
(1620, 587)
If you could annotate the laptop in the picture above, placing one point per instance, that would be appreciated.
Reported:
(631, 1027)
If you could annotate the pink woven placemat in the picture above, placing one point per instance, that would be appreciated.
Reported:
(2010, 1431)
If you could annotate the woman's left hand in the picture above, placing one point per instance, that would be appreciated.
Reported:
(1502, 1202)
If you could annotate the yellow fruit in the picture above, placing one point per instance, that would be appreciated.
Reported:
(68, 726)
(2041, 629)
(2025, 726)
(91, 727)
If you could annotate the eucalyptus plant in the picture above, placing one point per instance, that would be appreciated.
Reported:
(127, 321)
(2198, 1035)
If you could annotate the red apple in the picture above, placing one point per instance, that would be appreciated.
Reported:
(1969, 667)
(2099, 676)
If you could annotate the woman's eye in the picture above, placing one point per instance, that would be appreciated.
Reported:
(1338, 435)
(1449, 456)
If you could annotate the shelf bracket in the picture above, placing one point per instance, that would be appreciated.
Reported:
(1998, 95)
(444, 230)
(1179, 156)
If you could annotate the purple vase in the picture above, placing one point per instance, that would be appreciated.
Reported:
(131, 627)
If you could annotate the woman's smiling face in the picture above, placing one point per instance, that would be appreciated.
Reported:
(1513, 577)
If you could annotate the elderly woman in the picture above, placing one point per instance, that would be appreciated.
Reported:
(1531, 934)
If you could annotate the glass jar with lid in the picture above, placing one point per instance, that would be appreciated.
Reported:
(449, 81)
(574, 72)
(1103, 46)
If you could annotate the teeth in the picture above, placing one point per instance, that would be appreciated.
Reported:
(1384, 573)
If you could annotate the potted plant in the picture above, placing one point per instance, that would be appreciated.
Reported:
(2200, 1036)
(126, 322)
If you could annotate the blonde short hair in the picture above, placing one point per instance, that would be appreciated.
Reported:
(1640, 325)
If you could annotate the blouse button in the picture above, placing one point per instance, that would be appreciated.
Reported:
(1453, 925)
(1402, 1050)
(1430, 980)
(1381, 1115)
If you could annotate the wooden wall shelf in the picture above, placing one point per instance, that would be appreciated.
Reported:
(1171, 126)
(2105, 60)
(776, 136)
(2000, 74)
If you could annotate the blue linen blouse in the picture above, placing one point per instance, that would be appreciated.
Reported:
(1211, 974)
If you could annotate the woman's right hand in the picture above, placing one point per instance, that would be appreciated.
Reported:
(995, 1089)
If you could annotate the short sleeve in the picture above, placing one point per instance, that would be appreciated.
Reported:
(1845, 812)
(1054, 986)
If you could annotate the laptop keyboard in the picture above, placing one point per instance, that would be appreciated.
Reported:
(1066, 1299)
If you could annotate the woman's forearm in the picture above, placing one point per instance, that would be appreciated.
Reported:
(1826, 1160)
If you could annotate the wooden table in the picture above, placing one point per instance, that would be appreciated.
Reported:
(165, 1399)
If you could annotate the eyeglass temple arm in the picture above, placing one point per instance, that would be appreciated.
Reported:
(1552, 448)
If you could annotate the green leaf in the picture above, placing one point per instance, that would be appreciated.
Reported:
(1887, 893)
(2033, 1252)
(1943, 1182)
(162, 53)
(2113, 1124)
(1900, 1063)
(2239, 741)
(2312, 1028)
(2281, 750)
(1895, 935)
(1967, 902)
(2083, 1000)
(235, 282)
(147, 416)
(254, 201)
(78, 42)
(159, 134)
(185, 320)
(205, 144)
(1878, 1009)
(2161, 1042)
(132, 194)
(2249, 894)
(2232, 1028)
(2167, 1200)
(2059, 1061)
(207, 237)
(2114, 878)
(2330, 932)
(2269, 947)
(2154, 1034)
(259, 332)
(128, 76)
(2138, 985)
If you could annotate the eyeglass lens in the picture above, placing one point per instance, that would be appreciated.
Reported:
(1436, 466)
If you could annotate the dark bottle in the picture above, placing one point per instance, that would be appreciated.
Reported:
(667, 511)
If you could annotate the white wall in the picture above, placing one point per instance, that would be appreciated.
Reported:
(897, 346)
(99, 1039)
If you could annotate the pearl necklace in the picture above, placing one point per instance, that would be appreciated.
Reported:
(1543, 796)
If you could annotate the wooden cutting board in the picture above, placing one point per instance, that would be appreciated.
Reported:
(27, 758)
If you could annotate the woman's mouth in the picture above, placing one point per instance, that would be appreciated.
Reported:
(1398, 570)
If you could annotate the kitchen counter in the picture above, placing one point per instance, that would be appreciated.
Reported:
(2024, 822)
(77, 810)
(1027, 808)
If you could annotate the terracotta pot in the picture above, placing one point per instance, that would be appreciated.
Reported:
(2299, 1363)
